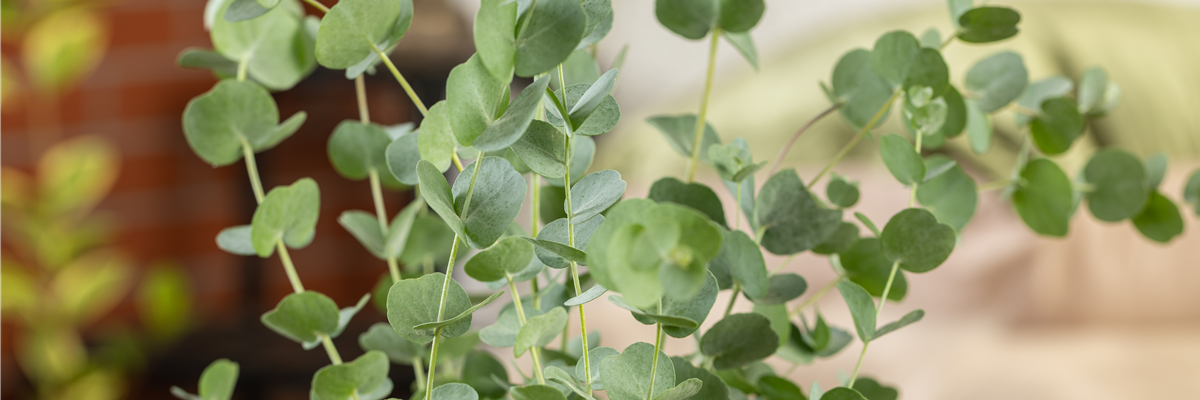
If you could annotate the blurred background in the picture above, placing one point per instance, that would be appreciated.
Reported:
(113, 286)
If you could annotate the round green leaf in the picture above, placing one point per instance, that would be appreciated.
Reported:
(508, 256)
(688, 18)
(218, 379)
(733, 161)
(872, 390)
(481, 371)
(790, 219)
(353, 29)
(988, 24)
(861, 91)
(694, 195)
(928, 69)
(595, 193)
(627, 376)
(365, 228)
(917, 240)
(955, 121)
(359, 378)
(1156, 169)
(1119, 187)
(1044, 198)
(454, 391)
(540, 330)
(866, 266)
(894, 55)
(776, 388)
(401, 157)
(276, 50)
(495, 36)
(902, 159)
(548, 35)
(743, 261)
(931, 38)
(862, 309)
(695, 310)
(381, 337)
(952, 196)
(303, 316)
(356, 148)
(474, 99)
(236, 240)
(739, 339)
(1057, 126)
(495, 201)
(783, 288)
(845, 236)
(412, 302)
(997, 80)
(288, 213)
(217, 122)
(1159, 220)
(543, 149)
(583, 151)
(1092, 85)
(739, 15)
(842, 192)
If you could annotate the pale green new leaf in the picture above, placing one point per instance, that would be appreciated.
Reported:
(288, 214)
(540, 330)
(236, 240)
(303, 316)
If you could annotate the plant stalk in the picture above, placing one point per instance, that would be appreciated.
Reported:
(534, 352)
(795, 136)
(816, 296)
(587, 360)
(698, 136)
(862, 132)
(404, 83)
(381, 215)
(360, 93)
(737, 289)
(658, 338)
(288, 267)
(317, 5)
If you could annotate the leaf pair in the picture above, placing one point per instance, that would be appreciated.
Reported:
(308, 316)
(391, 243)
(589, 108)
(535, 39)
(221, 122)
(789, 218)
(627, 376)
(364, 378)
(276, 46)
(862, 308)
(413, 308)
(646, 250)
(216, 382)
(692, 19)
(478, 209)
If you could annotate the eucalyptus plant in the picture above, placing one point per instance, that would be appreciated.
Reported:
(664, 258)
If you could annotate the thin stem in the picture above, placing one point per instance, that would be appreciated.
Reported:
(658, 336)
(993, 185)
(887, 289)
(533, 208)
(737, 211)
(587, 359)
(457, 162)
(792, 141)
(419, 373)
(288, 267)
(912, 197)
(317, 5)
(360, 92)
(403, 83)
(784, 263)
(857, 366)
(331, 350)
(737, 289)
(862, 132)
(381, 214)
(533, 352)
(243, 65)
(816, 296)
(437, 335)
(698, 136)
(252, 170)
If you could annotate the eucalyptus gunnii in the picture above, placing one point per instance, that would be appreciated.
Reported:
(665, 257)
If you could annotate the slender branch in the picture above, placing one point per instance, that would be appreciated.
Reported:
(457, 162)
(698, 136)
(243, 65)
(252, 170)
(403, 82)
(331, 350)
(360, 92)
(533, 352)
(862, 132)
(912, 197)
(288, 267)
(858, 365)
(737, 289)
(533, 207)
(587, 359)
(658, 339)
(792, 141)
(381, 215)
(317, 5)
(816, 296)
(887, 289)
(784, 263)
(437, 335)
